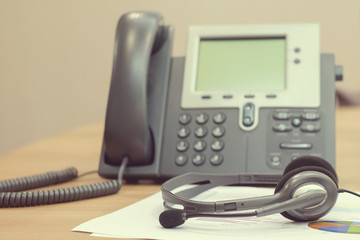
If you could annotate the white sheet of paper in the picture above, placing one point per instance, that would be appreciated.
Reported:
(140, 220)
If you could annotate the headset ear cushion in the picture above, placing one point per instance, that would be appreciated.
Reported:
(309, 161)
(288, 175)
(293, 172)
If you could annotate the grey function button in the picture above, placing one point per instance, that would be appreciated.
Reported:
(281, 115)
(295, 145)
(311, 116)
(310, 128)
(271, 95)
(282, 127)
(275, 161)
(296, 121)
(248, 114)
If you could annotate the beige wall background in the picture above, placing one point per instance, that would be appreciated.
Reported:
(56, 56)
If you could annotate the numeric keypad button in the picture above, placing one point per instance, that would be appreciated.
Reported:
(184, 118)
(181, 159)
(200, 132)
(183, 132)
(218, 131)
(216, 159)
(219, 118)
(182, 146)
(198, 159)
(217, 145)
(202, 118)
(199, 146)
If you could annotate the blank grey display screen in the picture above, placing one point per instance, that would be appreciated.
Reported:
(248, 64)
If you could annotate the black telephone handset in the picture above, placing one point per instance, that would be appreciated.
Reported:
(142, 43)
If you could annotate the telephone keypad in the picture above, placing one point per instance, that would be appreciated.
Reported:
(194, 140)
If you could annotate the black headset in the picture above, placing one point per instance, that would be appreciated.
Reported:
(307, 191)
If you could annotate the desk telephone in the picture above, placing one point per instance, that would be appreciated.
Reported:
(245, 102)
(245, 99)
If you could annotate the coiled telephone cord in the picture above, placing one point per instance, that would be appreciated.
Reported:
(10, 195)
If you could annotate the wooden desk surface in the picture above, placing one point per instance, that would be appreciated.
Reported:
(81, 148)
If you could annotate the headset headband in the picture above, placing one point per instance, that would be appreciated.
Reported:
(204, 182)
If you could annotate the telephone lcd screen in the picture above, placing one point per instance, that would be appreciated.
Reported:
(246, 64)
